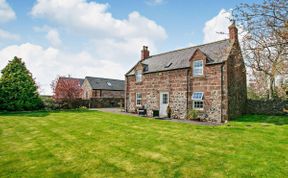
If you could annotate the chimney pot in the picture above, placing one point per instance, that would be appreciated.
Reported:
(144, 53)
(233, 32)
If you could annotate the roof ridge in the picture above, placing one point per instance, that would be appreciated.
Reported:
(103, 78)
(72, 78)
(181, 49)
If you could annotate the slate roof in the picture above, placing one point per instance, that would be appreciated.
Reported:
(103, 83)
(216, 52)
(70, 78)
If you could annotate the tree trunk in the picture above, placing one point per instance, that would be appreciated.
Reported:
(271, 87)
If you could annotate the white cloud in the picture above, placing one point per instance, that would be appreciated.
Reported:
(93, 19)
(53, 38)
(6, 12)
(52, 35)
(46, 63)
(115, 44)
(216, 26)
(155, 2)
(7, 35)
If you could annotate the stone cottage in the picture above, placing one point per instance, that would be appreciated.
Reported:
(95, 87)
(210, 78)
(91, 87)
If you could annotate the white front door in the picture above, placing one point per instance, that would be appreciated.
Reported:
(164, 102)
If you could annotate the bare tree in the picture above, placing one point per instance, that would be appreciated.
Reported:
(265, 38)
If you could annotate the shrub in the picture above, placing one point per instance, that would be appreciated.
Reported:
(192, 114)
(82, 108)
(49, 103)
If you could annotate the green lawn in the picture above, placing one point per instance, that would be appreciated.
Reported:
(98, 144)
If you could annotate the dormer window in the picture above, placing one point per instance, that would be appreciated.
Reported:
(138, 76)
(198, 68)
(109, 84)
(145, 68)
(168, 65)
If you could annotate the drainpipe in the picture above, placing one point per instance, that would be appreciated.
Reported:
(187, 98)
(222, 79)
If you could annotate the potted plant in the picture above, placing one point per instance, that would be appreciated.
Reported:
(169, 111)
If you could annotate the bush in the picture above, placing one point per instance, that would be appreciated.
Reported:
(82, 108)
(49, 103)
(192, 114)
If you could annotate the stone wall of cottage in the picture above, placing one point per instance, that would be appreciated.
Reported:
(212, 83)
(112, 94)
(174, 82)
(87, 90)
(237, 91)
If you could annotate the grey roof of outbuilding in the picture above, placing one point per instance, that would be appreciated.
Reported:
(216, 52)
(102, 83)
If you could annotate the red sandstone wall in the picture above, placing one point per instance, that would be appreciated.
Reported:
(174, 82)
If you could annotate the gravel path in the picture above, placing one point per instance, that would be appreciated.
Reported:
(119, 111)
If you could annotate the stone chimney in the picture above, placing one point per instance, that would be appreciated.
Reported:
(144, 53)
(233, 32)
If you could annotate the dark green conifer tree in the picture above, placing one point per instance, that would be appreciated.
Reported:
(18, 90)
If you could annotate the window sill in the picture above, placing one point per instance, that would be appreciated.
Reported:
(198, 109)
(199, 77)
(139, 83)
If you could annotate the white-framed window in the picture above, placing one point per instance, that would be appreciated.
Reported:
(138, 76)
(197, 99)
(138, 99)
(165, 98)
(198, 68)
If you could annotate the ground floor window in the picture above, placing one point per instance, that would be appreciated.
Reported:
(197, 99)
(198, 104)
(138, 99)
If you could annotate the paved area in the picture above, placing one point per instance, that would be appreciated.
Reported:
(119, 111)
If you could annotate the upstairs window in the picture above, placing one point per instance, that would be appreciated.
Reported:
(198, 68)
(138, 99)
(145, 68)
(197, 99)
(138, 76)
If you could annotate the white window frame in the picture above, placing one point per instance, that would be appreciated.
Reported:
(197, 70)
(138, 99)
(197, 97)
(138, 76)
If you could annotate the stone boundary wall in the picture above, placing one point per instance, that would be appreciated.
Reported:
(267, 107)
(94, 103)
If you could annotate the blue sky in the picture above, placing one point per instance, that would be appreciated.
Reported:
(103, 37)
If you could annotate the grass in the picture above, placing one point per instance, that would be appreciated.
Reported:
(98, 144)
